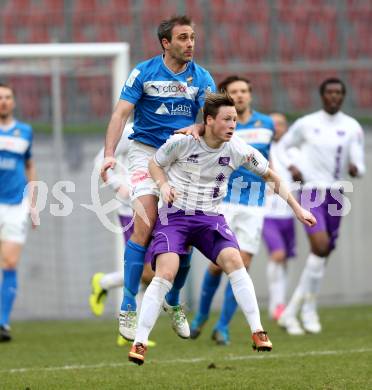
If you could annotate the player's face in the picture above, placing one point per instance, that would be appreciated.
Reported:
(280, 124)
(332, 98)
(7, 102)
(181, 46)
(240, 91)
(223, 126)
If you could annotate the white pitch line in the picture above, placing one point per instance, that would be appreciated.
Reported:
(189, 361)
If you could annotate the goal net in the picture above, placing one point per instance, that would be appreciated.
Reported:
(67, 92)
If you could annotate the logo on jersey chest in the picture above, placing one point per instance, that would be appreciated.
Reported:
(341, 133)
(175, 109)
(224, 161)
(164, 89)
(193, 158)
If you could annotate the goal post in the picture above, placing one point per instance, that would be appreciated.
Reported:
(55, 62)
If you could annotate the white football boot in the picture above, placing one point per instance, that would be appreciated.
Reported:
(128, 324)
(179, 320)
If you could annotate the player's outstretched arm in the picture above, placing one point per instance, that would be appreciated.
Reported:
(113, 134)
(196, 130)
(279, 187)
(158, 174)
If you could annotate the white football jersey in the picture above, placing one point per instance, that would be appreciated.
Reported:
(276, 207)
(327, 143)
(200, 173)
(120, 176)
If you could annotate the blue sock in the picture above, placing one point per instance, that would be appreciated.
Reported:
(134, 257)
(209, 287)
(228, 308)
(8, 292)
(173, 296)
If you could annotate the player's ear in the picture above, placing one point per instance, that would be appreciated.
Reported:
(165, 43)
(210, 120)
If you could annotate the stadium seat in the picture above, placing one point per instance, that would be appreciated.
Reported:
(361, 83)
(296, 85)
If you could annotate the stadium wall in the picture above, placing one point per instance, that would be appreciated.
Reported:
(63, 253)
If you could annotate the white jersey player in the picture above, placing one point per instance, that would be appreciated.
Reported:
(331, 145)
(279, 226)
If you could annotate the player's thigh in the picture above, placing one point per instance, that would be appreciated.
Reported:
(167, 265)
(145, 215)
(229, 260)
(140, 178)
(10, 254)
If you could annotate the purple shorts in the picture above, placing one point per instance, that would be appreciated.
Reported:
(208, 233)
(325, 221)
(280, 234)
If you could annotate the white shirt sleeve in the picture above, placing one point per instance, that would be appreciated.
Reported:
(169, 152)
(292, 138)
(356, 152)
(253, 160)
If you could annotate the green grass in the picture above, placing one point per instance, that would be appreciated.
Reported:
(83, 355)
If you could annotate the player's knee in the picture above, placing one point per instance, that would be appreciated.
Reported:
(321, 250)
(9, 263)
(214, 269)
(278, 256)
(165, 274)
(230, 260)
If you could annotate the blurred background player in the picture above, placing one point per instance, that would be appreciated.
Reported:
(102, 283)
(279, 227)
(242, 207)
(331, 144)
(16, 170)
(166, 93)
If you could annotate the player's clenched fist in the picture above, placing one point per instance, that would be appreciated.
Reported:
(168, 193)
(108, 163)
(305, 217)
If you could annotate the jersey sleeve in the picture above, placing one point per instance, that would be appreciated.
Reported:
(292, 138)
(207, 87)
(248, 156)
(356, 151)
(133, 88)
(170, 151)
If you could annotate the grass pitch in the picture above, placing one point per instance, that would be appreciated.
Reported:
(84, 355)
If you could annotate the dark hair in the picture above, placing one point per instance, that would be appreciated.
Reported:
(3, 85)
(222, 86)
(166, 26)
(331, 80)
(213, 102)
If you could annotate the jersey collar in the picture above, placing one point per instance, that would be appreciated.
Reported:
(170, 71)
(8, 127)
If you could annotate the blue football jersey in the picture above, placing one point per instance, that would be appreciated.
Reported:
(245, 187)
(164, 101)
(15, 149)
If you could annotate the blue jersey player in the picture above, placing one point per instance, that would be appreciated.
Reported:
(166, 92)
(242, 207)
(16, 169)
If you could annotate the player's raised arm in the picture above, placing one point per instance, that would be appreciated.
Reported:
(280, 188)
(114, 132)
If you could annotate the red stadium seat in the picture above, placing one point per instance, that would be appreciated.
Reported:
(361, 82)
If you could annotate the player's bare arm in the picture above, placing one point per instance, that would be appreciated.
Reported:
(31, 177)
(167, 192)
(273, 179)
(114, 131)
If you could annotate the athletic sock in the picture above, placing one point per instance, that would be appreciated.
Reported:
(112, 280)
(242, 286)
(173, 297)
(228, 310)
(316, 265)
(150, 309)
(209, 287)
(311, 272)
(8, 294)
(134, 257)
(277, 282)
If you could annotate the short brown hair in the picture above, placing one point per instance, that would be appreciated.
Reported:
(213, 102)
(166, 27)
(222, 86)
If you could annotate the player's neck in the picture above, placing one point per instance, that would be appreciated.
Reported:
(244, 116)
(174, 65)
(211, 140)
(5, 121)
